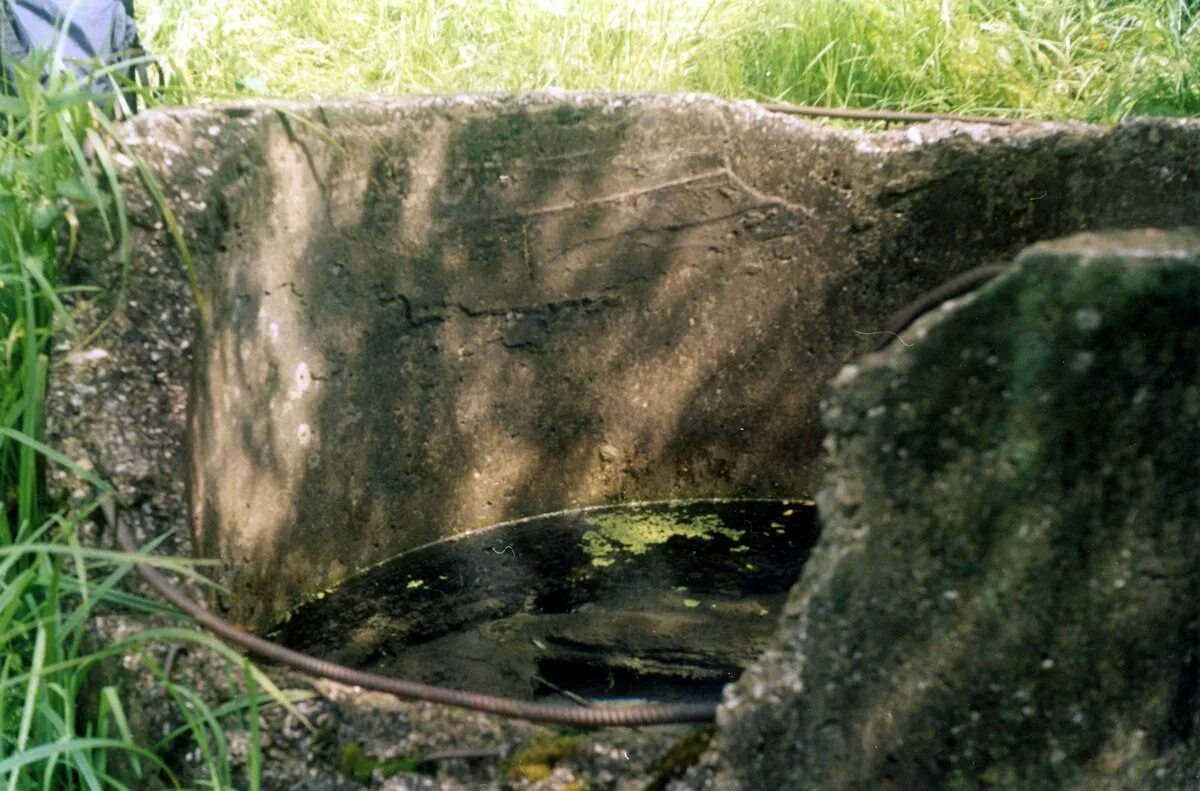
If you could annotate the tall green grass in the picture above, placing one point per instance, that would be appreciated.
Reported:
(1087, 59)
(58, 730)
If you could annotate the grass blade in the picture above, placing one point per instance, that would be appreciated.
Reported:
(31, 694)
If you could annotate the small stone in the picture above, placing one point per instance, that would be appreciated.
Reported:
(609, 453)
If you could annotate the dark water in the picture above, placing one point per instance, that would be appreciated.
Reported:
(664, 601)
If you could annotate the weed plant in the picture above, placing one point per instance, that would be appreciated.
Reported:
(57, 731)
(1098, 60)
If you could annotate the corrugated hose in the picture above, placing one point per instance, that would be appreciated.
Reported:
(597, 716)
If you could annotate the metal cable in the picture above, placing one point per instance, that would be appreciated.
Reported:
(888, 116)
(954, 287)
(589, 717)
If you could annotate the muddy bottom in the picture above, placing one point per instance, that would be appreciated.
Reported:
(662, 601)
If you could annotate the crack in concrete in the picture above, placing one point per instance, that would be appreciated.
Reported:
(590, 304)
(616, 197)
(290, 286)
(654, 229)
(745, 186)
(433, 313)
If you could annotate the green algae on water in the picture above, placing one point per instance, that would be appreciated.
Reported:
(637, 531)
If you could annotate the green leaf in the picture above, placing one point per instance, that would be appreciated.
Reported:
(69, 746)
(13, 105)
(43, 213)
(79, 190)
(113, 704)
(56, 457)
(65, 101)
(31, 696)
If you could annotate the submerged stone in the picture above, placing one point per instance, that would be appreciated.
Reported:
(1010, 598)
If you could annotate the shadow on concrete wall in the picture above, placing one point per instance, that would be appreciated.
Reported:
(548, 306)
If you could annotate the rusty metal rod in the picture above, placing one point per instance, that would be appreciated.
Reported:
(588, 717)
(890, 116)
(954, 287)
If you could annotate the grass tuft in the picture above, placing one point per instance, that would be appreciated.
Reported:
(57, 730)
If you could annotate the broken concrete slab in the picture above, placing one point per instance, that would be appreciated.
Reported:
(1005, 590)
(507, 305)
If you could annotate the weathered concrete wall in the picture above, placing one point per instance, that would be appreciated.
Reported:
(424, 316)
(1005, 591)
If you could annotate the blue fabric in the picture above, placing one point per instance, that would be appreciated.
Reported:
(91, 34)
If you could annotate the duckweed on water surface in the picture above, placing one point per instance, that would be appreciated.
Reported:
(635, 532)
